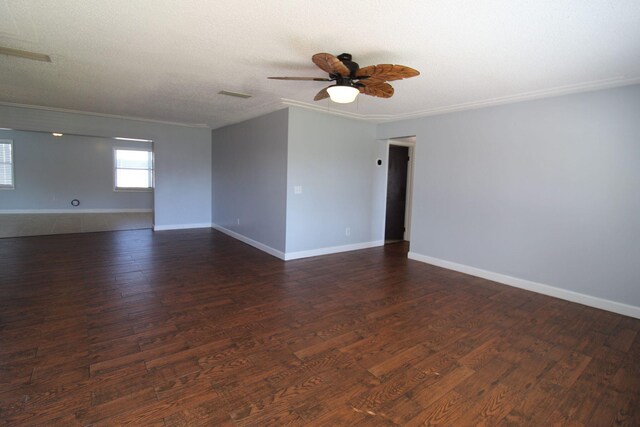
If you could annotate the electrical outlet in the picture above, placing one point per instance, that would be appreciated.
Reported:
(347, 231)
(297, 189)
(238, 221)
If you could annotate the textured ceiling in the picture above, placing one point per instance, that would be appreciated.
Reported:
(168, 59)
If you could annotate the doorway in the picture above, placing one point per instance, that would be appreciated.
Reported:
(398, 203)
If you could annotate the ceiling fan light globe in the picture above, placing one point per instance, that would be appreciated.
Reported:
(343, 94)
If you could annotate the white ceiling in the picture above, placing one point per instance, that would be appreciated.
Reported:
(168, 59)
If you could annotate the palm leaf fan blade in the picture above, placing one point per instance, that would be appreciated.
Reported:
(387, 72)
(323, 94)
(330, 64)
(383, 90)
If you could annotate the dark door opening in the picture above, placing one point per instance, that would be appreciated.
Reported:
(396, 193)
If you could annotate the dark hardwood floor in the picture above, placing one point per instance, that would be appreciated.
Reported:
(195, 328)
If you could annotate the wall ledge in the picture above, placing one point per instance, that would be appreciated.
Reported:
(584, 299)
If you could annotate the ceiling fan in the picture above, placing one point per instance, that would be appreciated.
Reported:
(350, 79)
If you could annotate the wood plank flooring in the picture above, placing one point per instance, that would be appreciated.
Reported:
(194, 328)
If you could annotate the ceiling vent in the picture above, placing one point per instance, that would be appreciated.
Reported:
(25, 54)
(234, 94)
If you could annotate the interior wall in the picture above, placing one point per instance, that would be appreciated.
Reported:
(333, 160)
(249, 179)
(49, 172)
(183, 178)
(547, 191)
(182, 197)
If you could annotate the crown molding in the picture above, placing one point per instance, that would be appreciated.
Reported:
(110, 116)
(490, 102)
(381, 118)
(327, 110)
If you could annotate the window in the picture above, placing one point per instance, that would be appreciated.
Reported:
(6, 164)
(133, 169)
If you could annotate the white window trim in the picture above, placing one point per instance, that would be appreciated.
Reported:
(13, 166)
(133, 189)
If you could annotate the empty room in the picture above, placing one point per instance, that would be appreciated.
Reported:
(385, 213)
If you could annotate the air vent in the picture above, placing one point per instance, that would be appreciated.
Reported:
(25, 54)
(234, 94)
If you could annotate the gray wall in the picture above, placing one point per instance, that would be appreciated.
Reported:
(333, 159)
(183, 177)
(49, 172)
(546, 190)
(249, 164)
(182, 195)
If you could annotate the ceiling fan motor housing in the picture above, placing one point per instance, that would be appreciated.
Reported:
(343, 81)
(352, 66)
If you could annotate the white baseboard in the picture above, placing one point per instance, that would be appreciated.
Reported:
(71, 211)
(604, 304)
(296, 255)
(332, 250)
(181, 226)
(268, 249)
